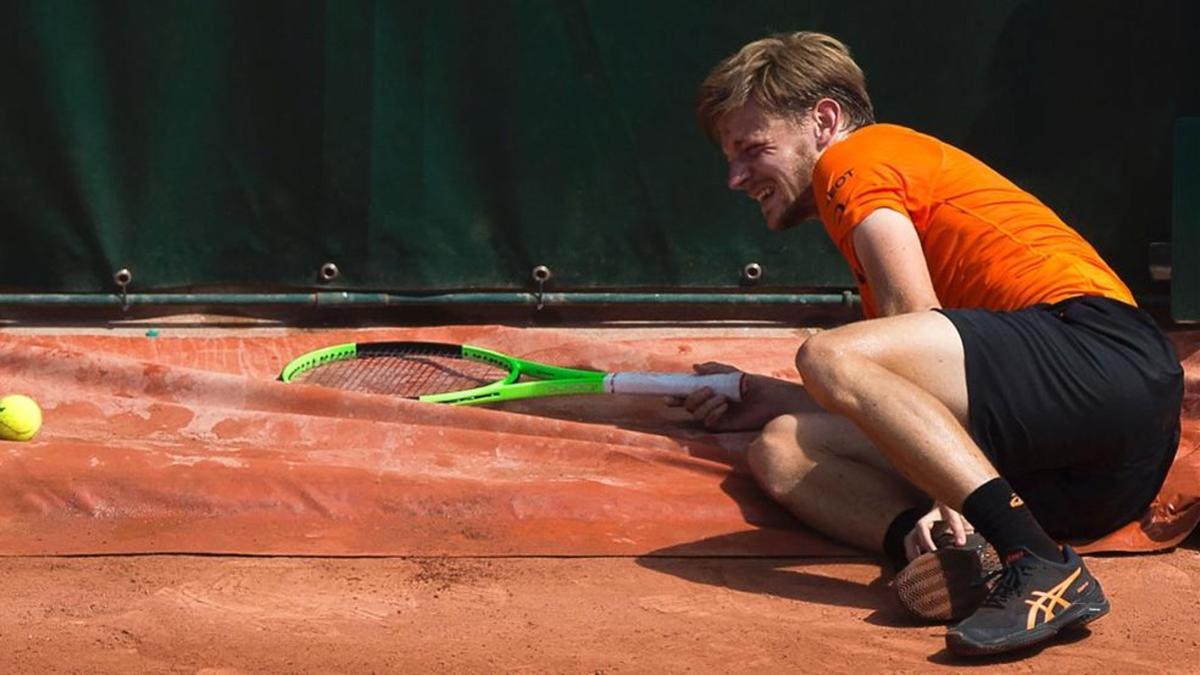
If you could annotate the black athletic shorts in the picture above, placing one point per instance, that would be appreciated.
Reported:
(1077, 404)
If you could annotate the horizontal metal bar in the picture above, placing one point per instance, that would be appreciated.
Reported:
(353, 299)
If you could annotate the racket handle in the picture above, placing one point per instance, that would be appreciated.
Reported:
(728, 385)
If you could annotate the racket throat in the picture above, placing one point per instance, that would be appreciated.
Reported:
(520, 390)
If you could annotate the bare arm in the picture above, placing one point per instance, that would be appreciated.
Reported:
(890, 252)
(891, 255)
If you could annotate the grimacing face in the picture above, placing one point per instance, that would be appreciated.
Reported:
(771, 158)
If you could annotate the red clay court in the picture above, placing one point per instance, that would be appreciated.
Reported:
(182, 511)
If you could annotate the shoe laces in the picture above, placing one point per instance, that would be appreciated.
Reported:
(1008, 585)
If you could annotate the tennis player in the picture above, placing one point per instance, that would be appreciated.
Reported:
(1004, 380)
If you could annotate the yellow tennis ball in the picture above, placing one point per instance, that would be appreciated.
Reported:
(20, 418)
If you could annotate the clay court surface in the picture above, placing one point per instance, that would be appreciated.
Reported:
(182, 512)
(185, 614)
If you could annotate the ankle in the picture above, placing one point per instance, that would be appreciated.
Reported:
(1002, 517)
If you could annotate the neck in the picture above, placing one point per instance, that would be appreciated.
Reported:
(838, 137)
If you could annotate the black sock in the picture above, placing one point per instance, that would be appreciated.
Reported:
(893, 540)
(1004, 520)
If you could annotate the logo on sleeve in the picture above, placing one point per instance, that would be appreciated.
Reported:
(837, 185)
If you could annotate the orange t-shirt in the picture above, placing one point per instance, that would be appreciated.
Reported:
(988, 243)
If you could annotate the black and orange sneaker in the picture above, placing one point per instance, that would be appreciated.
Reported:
(1031, 602)
(950, 582)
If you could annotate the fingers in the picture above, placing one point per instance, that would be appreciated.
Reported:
(703, 405)
(957, 529)
(713, 416)
(918, 542)
(940, 519)
(920, 539)
(956, 523)
(712, 367)
(692, 401)
(967, 526)
(960, 533)
(706, 406)
(698, 398)
(924, 532)
(912, 548)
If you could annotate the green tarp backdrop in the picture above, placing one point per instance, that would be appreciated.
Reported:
(442, 145)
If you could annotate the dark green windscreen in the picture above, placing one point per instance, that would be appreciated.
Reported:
(1185, 275)
(455, 145)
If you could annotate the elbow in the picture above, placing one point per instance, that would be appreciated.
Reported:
(910, 306)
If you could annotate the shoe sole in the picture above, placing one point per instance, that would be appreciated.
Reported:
(946, 584)
(1077, 615)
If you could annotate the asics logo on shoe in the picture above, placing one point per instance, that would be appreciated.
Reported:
(1049, 601)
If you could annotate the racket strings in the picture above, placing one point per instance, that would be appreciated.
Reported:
(403, 373)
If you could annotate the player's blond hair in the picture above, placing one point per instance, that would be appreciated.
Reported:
(785, 74)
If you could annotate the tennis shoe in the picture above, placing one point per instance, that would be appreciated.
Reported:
(948, 583)
(1032, 600)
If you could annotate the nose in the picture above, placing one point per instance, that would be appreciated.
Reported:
(739, 174)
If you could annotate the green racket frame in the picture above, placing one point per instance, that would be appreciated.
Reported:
(551, 380)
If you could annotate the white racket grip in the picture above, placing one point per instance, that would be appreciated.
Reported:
(728, 385)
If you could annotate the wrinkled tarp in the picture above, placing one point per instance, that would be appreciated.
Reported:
(185, 442)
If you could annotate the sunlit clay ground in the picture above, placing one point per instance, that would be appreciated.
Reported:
(183, 512)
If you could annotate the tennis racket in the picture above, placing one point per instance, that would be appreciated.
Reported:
(464, 375)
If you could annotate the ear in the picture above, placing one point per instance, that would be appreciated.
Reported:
(827, 113)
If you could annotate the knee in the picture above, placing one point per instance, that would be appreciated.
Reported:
(823, 362)
(776, 459)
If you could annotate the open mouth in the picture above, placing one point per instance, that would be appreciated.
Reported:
(763, 193)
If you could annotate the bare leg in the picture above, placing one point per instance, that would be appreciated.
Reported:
(824, 470)
(902, 381)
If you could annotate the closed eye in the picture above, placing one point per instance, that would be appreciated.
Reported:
(754, 149)
(746, 152)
